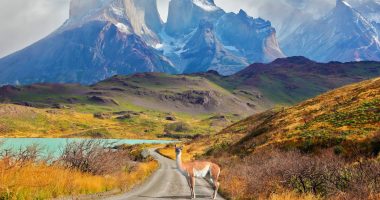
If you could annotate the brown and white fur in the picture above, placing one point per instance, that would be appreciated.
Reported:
(198, 169)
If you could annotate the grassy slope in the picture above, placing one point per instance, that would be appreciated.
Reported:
(149, 97)
(22, 121)
(345, 118)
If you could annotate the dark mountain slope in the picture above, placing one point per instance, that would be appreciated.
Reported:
(294, 79)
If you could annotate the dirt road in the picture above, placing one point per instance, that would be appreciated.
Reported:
(166, 183)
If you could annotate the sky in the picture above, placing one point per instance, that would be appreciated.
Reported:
(23, 22)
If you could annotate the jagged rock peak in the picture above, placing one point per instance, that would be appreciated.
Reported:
(242, 13)
(140, 17)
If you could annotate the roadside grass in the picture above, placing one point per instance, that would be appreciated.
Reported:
(293, 196)
(42, 181)
(83, 168)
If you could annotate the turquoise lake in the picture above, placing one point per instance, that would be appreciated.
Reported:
(54, 146)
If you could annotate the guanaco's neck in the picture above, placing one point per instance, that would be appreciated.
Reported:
(179, 162)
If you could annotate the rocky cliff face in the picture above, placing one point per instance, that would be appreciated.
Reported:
(204, 52)
(255, 38)
(185, 15)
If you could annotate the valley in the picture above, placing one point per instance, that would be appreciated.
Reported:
(284, 105)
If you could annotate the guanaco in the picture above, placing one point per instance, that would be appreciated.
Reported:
(198, 169)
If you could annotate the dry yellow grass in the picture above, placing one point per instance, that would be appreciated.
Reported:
(41, 181)
(22, 121)
(170, 153)
(190, 150)
(293, 196)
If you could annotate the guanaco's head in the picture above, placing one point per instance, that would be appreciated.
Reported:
(178, 149)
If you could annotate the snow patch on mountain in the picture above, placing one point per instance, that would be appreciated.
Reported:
(206, 5)
(123, 28)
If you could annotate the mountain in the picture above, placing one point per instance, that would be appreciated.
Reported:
(200, 36)
(343, 35)
(102, 38)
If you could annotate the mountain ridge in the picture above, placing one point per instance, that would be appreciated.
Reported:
(102, 38)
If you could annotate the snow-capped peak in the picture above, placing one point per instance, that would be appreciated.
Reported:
(207, 5)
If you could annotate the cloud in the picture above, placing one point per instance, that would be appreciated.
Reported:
(23, 22)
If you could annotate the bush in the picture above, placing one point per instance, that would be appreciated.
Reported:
(326, 175)
(177, 127)
(103, 115)
(94, 156)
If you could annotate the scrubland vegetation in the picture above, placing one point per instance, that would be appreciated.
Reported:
(323, 148)
(83, 168)
(269, 174)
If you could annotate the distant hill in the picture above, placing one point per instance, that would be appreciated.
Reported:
(295, 79)
(163, 92)
(346, 119)
(255, 89)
